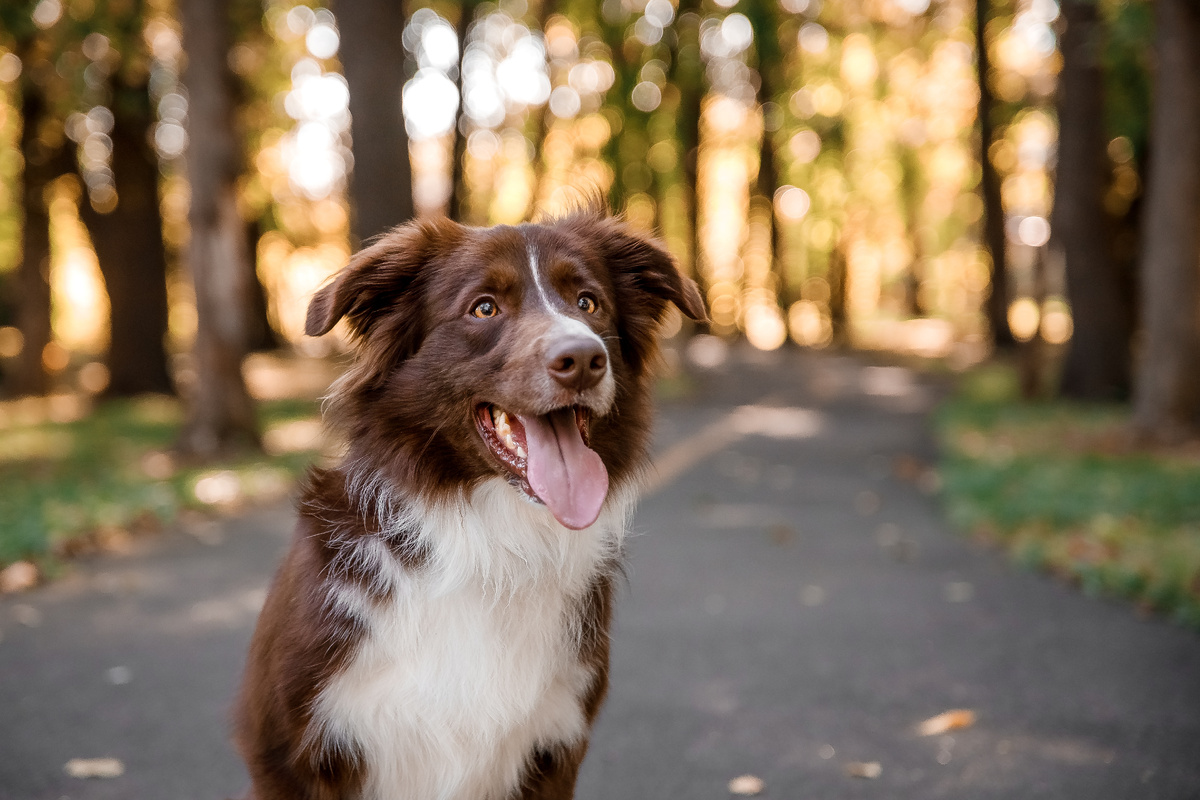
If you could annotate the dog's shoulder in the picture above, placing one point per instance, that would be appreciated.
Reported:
(356, 538)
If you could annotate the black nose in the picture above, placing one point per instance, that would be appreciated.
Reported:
(577, 363)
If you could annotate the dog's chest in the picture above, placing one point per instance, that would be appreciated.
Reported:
(459, 681)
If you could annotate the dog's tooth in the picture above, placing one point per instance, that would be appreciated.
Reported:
(509, 442)
(520, 452)
(503, 429)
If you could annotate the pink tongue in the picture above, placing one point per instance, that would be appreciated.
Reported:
(565, 475)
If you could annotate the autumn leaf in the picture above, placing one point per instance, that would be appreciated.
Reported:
(953, 720)
(864, 769)
(95, 768)
(746, 785)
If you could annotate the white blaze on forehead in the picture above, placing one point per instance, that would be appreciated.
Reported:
(564, 323)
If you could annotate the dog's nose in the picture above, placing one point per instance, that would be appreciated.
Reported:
(577, 363)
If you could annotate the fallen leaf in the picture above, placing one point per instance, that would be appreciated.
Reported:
(746, 785)
(95, 768)
(18, 576)
(953, 720)
(864, 769)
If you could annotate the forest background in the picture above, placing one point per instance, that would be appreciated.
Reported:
(941, 179)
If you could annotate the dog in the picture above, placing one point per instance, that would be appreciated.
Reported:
(439, 628)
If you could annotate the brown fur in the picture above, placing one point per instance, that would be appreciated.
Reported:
(407, 409)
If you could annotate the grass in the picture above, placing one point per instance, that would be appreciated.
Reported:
(76, 478)
(1061, 488)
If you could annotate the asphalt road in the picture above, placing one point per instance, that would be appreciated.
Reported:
(794, 604)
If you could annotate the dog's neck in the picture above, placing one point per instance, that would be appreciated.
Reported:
(488, 534)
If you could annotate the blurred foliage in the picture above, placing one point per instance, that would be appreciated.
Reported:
(656, 104)
(89, 481)
(1060, 487)
(1127, 70)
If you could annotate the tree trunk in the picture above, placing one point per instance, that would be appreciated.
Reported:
(839, 296)
(911, 194)
(44, 161)
(989, 184)
(260, 336)
(618, 99)
(1167, 396)
(129, 248)
(373, 63)
(221, 413)
(766, 38)
(1098, 359)
(537, 124)
(688, 75)
(458, 185)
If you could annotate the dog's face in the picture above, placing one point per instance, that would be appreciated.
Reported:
(518, 351)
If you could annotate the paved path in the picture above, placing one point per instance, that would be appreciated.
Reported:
(794, 603)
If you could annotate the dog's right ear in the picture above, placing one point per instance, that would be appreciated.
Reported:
(375, 281)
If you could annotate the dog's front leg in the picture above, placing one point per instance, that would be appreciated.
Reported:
(551, 774)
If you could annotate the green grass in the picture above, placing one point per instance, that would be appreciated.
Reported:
(1061, 488)
(111, 471)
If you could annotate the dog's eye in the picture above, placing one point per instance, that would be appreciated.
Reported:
(587, 303)
(484, 309)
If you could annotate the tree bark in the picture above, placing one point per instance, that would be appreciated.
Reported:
(911, 192)
(839, 296)
(618, 98)
(537, 123)
(129, 248)
(766, 38)
(1098, 358)
(687, 72)
(996, 307)
(1167, 398)
(221, 414)
(260, 336)
(373, 63)
(458, 186)
(44, 161)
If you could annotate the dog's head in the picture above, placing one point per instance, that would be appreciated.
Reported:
(520, 351)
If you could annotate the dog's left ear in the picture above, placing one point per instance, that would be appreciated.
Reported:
(374, 288)
(642, 265)
(645, 278)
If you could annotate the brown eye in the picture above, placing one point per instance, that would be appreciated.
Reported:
(587, 303)
(484, 309)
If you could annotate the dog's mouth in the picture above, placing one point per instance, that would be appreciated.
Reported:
(548, 458)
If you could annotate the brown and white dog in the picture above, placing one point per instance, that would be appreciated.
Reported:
(439, 628)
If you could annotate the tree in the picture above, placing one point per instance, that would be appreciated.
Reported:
(129, 248)
(373, 64)
(770, 56)
(537, 125)
(1097, 366)
(1167, 394)
(627, 144)
(46, 157)
(458, 187)
(687, 72)
(220, 411)
(989, 186)
(69, 58)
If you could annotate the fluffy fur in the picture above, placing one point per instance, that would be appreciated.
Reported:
(434, 631)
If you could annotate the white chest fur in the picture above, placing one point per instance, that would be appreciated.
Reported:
(473, 661)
